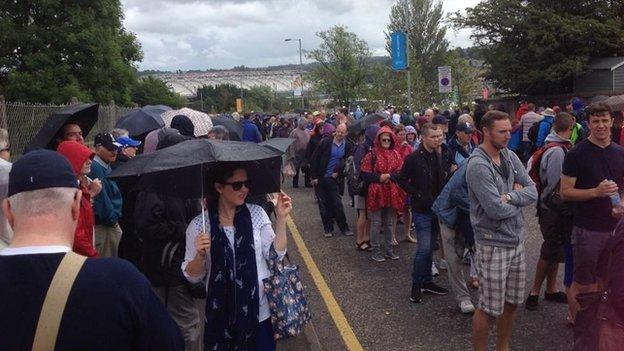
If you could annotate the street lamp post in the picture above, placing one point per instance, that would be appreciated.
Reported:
(300, 69)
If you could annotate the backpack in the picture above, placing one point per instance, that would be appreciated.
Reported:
(356, 185)
(533, 132)
(534, 163)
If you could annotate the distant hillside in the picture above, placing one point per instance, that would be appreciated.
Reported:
(294, 67)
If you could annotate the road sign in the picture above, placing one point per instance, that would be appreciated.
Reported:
(398, 50)
(445, 81)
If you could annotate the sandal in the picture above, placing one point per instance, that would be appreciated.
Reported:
(363, 246)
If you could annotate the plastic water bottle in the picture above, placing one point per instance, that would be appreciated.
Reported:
(615, 199)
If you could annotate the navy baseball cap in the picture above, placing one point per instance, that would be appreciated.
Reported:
(41, 169)
(107, 140)
(439, 119)
(464, 127)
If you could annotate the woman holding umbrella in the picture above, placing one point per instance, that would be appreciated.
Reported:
(232, 259)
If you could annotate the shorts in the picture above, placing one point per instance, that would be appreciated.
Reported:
(587, 247)
(554, 232)
(502, 277)
(360, 202)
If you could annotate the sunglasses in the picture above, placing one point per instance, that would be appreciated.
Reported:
(236, 186)
(385, 140)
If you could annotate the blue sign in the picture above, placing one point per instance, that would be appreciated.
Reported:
(398, 50)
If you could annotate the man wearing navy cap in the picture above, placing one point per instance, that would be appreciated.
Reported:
(461, 144)
(107, 205)
(109, 305)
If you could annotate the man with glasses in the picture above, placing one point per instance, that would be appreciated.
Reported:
(326, 172)
(5, 167)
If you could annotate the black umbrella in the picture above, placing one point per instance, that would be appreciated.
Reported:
(360, 125)
(84, 115)
(234, 128)
(278, 144)
(143, 120)
(182, 169)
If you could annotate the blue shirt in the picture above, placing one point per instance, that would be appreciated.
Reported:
(459, 158)
(337, 153)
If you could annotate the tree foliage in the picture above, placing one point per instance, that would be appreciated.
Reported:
(153, 91)
(540, 47)
(467, 80)
(222, 98)
(422, 20)
(55, 49)
(342, 64)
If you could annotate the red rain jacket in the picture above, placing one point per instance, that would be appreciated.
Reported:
(77, 154)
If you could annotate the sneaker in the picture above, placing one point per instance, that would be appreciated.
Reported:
(391, 255)
(377, 257)
(434, 270)
(559, 297)
(531, 302)
(416, 295)
(443, 265)
(433, 288)
(328, 234)
(466, 307)
(347, 232)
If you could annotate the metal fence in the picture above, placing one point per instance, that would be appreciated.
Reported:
(23, 121)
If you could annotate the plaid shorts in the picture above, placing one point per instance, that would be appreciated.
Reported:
(502, 277)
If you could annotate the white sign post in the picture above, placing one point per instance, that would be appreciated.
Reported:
(445, 80)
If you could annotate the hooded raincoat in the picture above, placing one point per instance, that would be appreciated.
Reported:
(77, 154)
(387, 161)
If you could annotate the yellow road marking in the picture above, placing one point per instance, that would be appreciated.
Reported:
(348, 336)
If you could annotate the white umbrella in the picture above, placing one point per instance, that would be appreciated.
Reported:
(201, 121)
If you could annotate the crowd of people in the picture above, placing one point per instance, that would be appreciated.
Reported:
(460, 181)
(455, 182)
(175, 254)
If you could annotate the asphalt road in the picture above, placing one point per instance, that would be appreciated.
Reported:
(374, 296)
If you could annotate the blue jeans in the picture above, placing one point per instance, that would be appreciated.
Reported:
(426, 235)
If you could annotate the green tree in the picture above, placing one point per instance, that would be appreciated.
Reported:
(55, 49)
(538, 48)
(422, 20)
(390, 87)
(153, 91)
(342, 64)
(466, 78)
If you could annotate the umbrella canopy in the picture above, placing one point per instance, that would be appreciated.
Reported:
(616, 102)
(84, 115)
(143, 120)
(361, 124)
(181, 170)
(234, 128)
(201, 121)
(598, 98)
(278, 144)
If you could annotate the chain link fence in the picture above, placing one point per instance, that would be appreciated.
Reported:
(23, 121)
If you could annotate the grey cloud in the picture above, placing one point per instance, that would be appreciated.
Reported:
(187, 34)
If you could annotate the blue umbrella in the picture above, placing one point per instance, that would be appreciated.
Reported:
(143, 120)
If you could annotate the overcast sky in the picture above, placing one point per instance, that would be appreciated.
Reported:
(194, 34)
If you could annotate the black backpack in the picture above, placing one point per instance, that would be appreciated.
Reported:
(533, 132)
